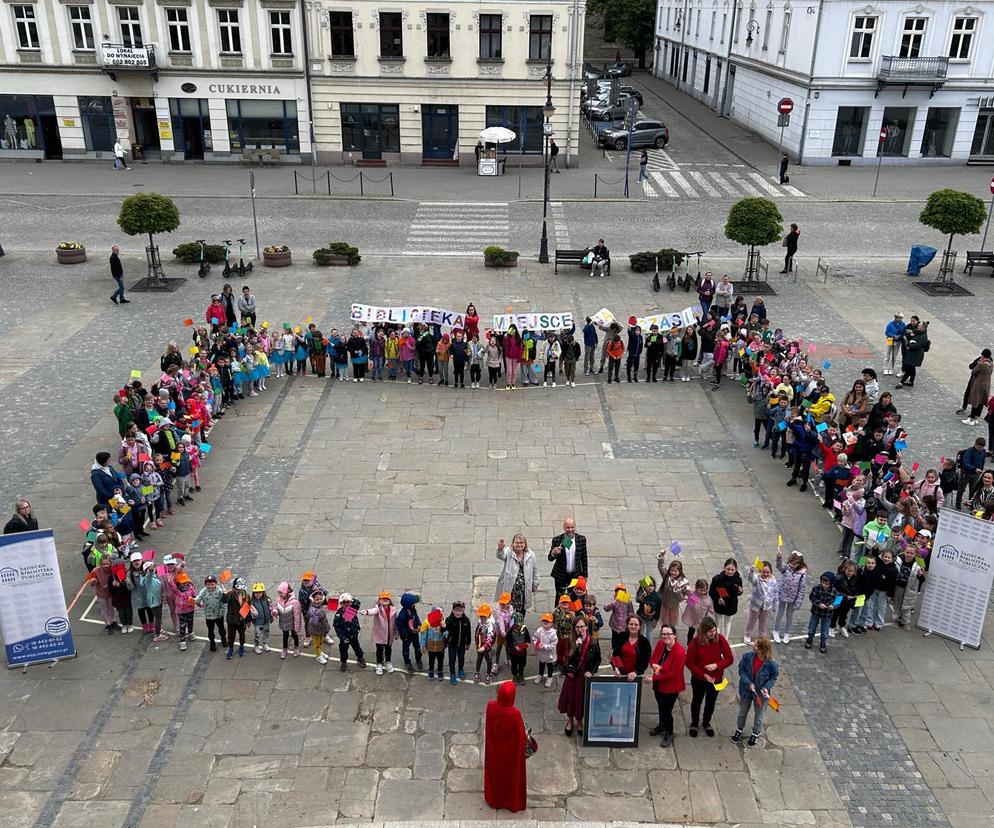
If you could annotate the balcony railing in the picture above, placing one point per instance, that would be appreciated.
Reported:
(119, 57)
(921, 69)
(917, 71)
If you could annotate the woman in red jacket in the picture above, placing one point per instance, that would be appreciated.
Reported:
(667, 664)
(707, 657)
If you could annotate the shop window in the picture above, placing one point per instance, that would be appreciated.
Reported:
(525, 121)
(26, 26)
(231, 34)
(129, 19)
(850, 130)
(438, 35)
(262, 125)
(940, 130)
(81, 23)
(898, 121)
(491, 34)
(371, 127)
(342, 36)
(540, 37)
(20, 127)
(97, 116)
(391, 35)
(279, 28)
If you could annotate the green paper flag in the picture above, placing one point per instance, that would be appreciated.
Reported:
(860, 600)
(861, 561)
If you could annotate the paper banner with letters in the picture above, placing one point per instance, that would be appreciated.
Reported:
(407, 315)
(603, 318)
(533, 321)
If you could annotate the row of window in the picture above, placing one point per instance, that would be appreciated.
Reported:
(438, 38)
(864, 31)
(177, 23)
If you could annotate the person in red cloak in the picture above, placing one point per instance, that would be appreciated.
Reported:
(504, 779)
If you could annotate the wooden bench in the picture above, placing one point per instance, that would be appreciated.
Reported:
(982, 258)
(576, 257)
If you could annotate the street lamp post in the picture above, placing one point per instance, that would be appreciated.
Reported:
(547, 111)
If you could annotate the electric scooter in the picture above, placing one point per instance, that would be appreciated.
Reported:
(686, 283)
(242, 268)
(205, 266)
(228, 270)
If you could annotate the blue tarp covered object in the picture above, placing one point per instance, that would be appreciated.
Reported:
(920, 256)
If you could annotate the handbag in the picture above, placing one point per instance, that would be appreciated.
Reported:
(784, 242)
(531, 744)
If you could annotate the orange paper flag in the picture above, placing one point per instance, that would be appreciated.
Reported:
(244, 610)
(910, 532)
(188, 323)
(576, 606)
(774, 704)
(225, 576)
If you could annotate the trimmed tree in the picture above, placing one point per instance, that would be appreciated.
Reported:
(953, 213)
(755, 222)
(148, 213)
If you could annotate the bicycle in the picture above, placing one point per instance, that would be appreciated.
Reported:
(241, 268)
(205, 266)
(228, 269)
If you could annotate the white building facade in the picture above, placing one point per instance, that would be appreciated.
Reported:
(922, 74)
(173, 79)
(415, 82)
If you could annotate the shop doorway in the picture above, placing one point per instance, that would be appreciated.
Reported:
(192, 130)
(51, 139)
(439, 131)
(191, 126)
(146, 126)
(983, 136)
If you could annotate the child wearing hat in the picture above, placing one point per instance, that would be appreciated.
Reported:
(185, 601)
(546, 644)
(503, 618)
(486, 633)
(308, 583)
(432, 635)
(262, 615)
(209, 599)
(517, 640)
(287, 612)
(562, 619)
(236, 601)
(152, 586)
(384, 630)
(649, 605)
(822, 606)
(317, 624)
(458, 634)
(346, 624)
(408, 630)
(620, 608)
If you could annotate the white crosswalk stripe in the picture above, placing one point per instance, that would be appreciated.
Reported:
(703, 183)
(648, 191)
(664, 185)
(744, 184)
(725, 183)
(559, 224)
(682, 183)
(660, 159)
(457, 228)
(766, 185)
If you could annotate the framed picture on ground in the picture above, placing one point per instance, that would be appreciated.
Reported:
(611, 708)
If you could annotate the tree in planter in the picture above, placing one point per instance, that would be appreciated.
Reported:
(755, 222)
(498, 255)
(954, 213)
(323, 255)
(632, 22)
(149, 213)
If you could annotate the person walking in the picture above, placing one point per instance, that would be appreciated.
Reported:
(643, 166)
(119, 161)
(978, 389)
(553, 153)
(784, 161)
(117, 271)
(790, 242)
(915, 345)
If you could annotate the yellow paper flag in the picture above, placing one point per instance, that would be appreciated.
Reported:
(194, 350)
(136, 375)
(860, 600)
(757, 563)
(621, 596)
(721, 685)
(779, 541)
(265, 324)
(309, 320)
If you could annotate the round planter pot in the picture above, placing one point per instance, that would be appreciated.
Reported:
(512, 262)
(276, 259)
(71, 256)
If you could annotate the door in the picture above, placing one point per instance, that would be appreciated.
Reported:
(146, 130)
(51, 138)
(372, 138)
(439, 130)
(983, 135)
(193, 137)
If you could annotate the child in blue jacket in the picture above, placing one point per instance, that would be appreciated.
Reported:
(408, 630)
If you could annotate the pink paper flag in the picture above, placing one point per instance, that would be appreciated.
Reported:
(812, 348)
(880, 459)
(148, 555)
(692, 600)
(84, 525)
(349, 613)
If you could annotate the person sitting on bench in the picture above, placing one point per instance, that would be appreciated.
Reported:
(602, 258)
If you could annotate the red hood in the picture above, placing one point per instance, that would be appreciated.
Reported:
(506, 693)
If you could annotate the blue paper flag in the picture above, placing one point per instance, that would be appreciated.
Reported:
(205, 448)
(821, 427)
(900, 445)
(213, 320)
(171, 406)
(826, 365)
(838, 601)
(782, 426)
(675, 548)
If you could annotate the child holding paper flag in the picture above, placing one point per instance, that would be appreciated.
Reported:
(910, 577)
(822, 606)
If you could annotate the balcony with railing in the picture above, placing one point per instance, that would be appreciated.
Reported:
(120, 57)
(912, 71)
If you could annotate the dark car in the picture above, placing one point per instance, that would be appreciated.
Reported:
(591, 71)
(620, 70)
(647, 133)
(600, 101)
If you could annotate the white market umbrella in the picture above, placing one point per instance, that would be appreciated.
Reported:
(498, 135)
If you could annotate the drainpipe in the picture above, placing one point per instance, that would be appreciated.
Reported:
(307, 82)
(728, 61)
(683, 38)
(811, 75)
(571, 68)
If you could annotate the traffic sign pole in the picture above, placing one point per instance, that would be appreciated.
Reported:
(784, 106)
(880, 158)
(983, 243)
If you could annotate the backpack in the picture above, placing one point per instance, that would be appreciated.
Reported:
(576, 350)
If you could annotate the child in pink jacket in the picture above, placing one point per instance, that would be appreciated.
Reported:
(384, 630)
(286, 610)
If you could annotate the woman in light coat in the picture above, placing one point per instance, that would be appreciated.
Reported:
(519, 575)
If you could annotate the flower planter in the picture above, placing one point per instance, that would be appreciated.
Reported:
(71, 256)
(276, 259)
(510, 261)
(335, 260)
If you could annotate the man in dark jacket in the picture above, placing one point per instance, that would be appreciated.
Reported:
(971, 462)
(634, 351)
(790, 242)
(568, 552)
(805, 440)
(104, 478)
(913, 352)
(589, 346)
(23, 519)
(117, 271)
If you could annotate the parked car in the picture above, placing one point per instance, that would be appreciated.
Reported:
(620, 70)
(591, 71)
(602, 110)
(647, 133)
(602, 91)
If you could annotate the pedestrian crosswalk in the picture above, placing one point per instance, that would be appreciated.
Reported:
(559, 225)
(730, 182)
(457, 228)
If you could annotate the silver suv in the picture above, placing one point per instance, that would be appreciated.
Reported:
(645, 133)
(602, 110)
